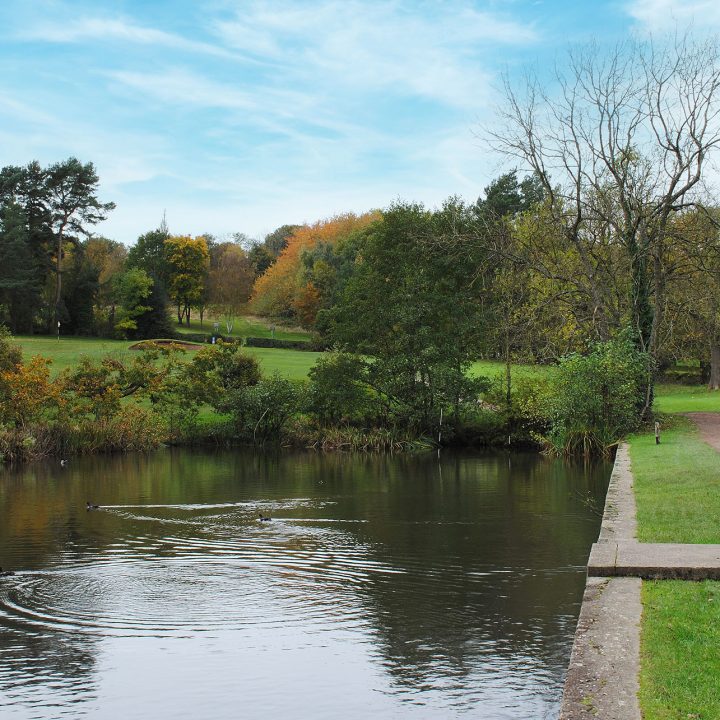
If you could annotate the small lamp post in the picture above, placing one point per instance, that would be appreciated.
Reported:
(58, 331)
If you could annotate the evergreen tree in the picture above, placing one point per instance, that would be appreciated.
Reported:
(18, 291)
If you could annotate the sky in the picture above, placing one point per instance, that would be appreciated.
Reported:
(241, 116)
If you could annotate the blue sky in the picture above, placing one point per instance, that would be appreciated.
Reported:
(236, 116)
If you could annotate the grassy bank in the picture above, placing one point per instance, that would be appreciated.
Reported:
(680, 662)
(677, 489)
(686, 398)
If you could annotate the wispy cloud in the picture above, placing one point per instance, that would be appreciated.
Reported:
(103, 29)
(661, 15)
(371, 45)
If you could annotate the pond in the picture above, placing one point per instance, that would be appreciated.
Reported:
(383, 586)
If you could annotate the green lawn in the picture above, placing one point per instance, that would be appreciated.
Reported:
(686, 398)
(680, 662)
(677, 489)
(66, 352)
(246, 327)
(677, 486)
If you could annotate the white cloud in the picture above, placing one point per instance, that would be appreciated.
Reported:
(662, 15)
(104, 29)
(371, 45)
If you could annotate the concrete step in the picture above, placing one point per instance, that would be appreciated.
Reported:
(654, 561)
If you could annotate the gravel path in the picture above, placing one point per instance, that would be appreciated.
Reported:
(709, 426)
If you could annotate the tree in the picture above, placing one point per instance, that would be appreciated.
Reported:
(108, 258)
(416, 310)
(18, 289)
(150, 254)
(132, 289)
(26, 187)
(188, 260)
(230, 281)
(275, 291)
(694, 291)
(619, 149)
(72, 202)
(80, 292)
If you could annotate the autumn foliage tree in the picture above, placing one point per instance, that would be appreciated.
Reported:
(283, 291)
(189, 261)
(230, 281)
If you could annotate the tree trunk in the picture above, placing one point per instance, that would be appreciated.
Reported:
(58, 284)
(714, 383)
(179, 314)
(508, 369)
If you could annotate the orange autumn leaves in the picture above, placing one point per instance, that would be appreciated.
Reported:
(282, 291)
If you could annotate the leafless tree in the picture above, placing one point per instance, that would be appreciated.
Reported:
(620, 138)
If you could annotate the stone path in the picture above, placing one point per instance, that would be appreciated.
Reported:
(602, 679)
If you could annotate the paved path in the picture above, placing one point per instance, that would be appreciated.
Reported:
(602, 679)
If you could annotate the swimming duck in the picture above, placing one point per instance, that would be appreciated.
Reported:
(90, 506)
(6, 573)
(264, 518)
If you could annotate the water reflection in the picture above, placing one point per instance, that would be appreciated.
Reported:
(382, 586)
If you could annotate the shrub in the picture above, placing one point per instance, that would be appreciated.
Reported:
(262, 411)
(596, 397)
(338, 389)
(217, 370)
(10, 353)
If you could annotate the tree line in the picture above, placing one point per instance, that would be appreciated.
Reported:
(55, 273)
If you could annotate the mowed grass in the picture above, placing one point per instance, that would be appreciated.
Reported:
(686, 398)
(680, 662)
(245, 327)
(67, 352)
(677, 486)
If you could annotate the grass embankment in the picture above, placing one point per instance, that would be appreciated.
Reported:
(677, 488)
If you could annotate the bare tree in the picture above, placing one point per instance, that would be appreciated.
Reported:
(620, 140)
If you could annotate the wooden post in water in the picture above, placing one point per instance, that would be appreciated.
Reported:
(657, 433)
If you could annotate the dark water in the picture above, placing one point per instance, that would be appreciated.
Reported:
(384, 587)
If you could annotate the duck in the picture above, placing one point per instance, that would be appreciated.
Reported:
(6, 573)
(63, 463)
(264, 518)
(90, 506)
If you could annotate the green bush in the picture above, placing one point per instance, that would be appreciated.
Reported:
(217, 370)
(262, 411)
(596, 399)
(338, 390)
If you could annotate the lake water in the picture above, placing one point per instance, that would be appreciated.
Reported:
(383, 587)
